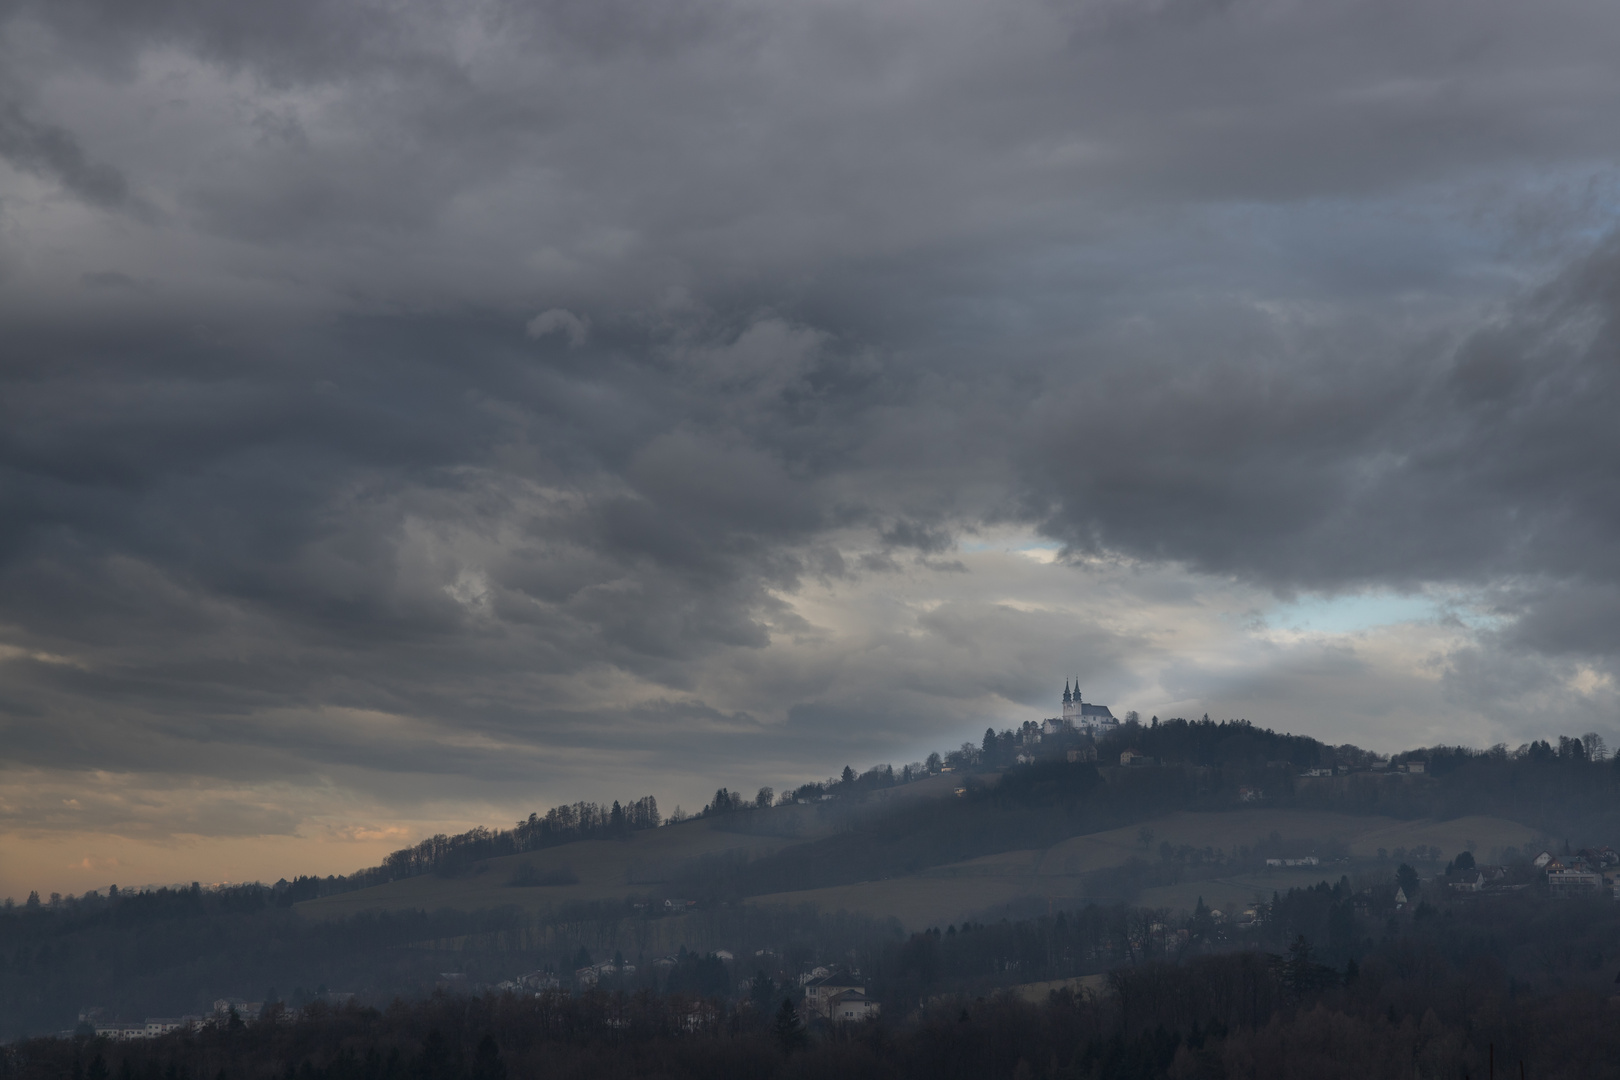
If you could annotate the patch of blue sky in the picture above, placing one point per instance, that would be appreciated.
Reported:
(1358, 612)
(1353, 613)
(1037, 548)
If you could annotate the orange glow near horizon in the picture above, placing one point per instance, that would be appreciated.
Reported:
(75, 863)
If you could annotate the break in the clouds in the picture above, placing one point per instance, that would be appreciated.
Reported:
(418, 412)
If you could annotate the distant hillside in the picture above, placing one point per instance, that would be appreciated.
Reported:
(1019, 791)
(967, 839)
(686, 858)
(852, 864)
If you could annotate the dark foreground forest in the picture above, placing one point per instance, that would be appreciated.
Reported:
(1233, 1016)
(1445, 992)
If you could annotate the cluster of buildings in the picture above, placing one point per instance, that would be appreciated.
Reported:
(1588, 871)
(838, 997)
(672, 905)
(1413, 768)
(152, 1027)
(591, 974)
(534, 982)
(1079, 715)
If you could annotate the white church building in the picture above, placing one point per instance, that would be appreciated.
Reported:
(1080, 716)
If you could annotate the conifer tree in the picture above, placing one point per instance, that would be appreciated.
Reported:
(787, 1029)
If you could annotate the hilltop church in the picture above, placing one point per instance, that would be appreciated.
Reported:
(1079, 716)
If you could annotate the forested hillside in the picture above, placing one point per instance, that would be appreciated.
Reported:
(174, 951)
(1561, 791)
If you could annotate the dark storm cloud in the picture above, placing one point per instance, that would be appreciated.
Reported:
(507, 369)
(54, 153)
(1496, 457)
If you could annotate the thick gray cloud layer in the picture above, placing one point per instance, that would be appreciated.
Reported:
(494, 393)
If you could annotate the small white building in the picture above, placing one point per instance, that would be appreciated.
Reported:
(246, 1011)
(819, 994)
(851, 1006)
(1568, 884)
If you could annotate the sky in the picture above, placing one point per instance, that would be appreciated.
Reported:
(415, 413)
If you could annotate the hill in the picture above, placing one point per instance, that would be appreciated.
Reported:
(940, 852)
(843, 869)
(987, 820)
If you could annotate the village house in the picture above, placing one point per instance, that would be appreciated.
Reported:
(1599, 857)
(1568, 884)
(1479, 879)
(701, 1016)
(151, 1028)
(246, 1011)
(851, 1006)
(591, 974)
(820, 993)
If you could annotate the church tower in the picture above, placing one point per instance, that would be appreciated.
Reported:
(1071, 705)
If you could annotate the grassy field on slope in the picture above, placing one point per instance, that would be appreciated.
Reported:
(1020, 882)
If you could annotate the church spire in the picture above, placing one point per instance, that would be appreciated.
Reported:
(1066, 698)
